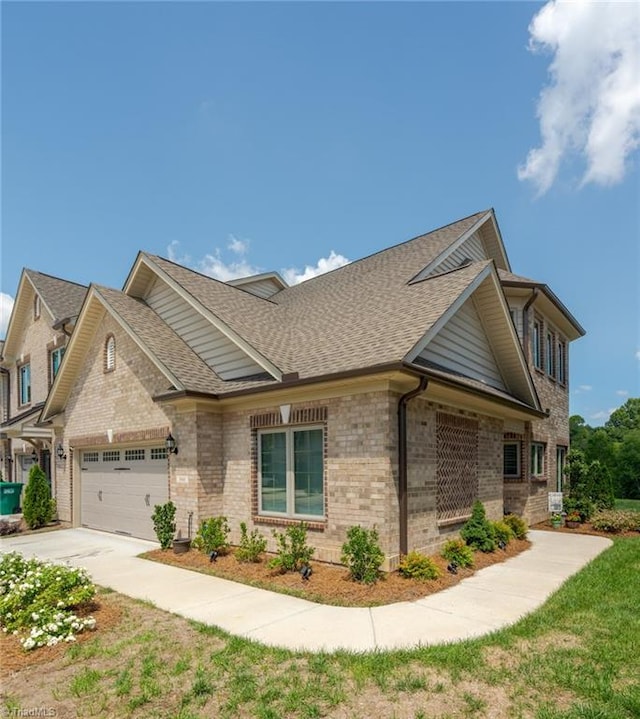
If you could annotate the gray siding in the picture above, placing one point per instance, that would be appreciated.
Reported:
(472, 248)
(261, 288)
(215, 348)
(462, 346)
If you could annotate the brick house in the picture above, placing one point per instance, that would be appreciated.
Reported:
(392, 392)
(41, 322)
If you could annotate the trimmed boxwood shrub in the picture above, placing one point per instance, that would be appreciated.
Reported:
(362, 554)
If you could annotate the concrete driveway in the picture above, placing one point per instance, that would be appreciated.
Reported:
(493, 598)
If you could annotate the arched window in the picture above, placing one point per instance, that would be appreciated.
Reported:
(110, 354)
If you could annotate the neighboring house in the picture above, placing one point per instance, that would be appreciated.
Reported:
(391, 392)
(43, 316)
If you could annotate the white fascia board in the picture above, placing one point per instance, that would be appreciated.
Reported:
(503, 251)
(451, 248)
(238, 282)
(514, 337)
(216, 321)
(17, 306)
(447, 315)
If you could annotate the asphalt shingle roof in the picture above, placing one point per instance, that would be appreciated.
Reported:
(63, 298)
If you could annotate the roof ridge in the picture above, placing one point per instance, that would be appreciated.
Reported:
(29, 271)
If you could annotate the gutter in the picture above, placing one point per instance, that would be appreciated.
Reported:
(402, 462)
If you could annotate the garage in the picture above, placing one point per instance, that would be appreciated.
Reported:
(121, 486)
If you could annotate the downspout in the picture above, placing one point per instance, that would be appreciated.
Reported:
(402, 462)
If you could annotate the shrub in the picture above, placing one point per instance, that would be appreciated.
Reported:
(419, 566)
(292, 550)
(37, 508)
(163, 518)
(39, 598)
(455, 551)
(362, 555)
(213, 535)
(615, 521)
(251, 545)
(502, 532)
(477, 531)
(517, 524)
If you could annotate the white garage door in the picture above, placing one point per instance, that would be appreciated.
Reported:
(120, 488)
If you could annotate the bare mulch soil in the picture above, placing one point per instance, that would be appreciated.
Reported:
(331, 584)
(584, 528)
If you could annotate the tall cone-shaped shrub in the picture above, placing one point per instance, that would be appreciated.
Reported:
(37, 507)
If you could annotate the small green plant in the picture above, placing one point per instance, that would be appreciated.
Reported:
(362, 555)
(455, 551)
(477, 531)
(517, 524)
(164, 524)
(502, 532)
(573, 516)
(252, 546)
(419, 566)
(212, 536)
(37, 509)
(293, 551)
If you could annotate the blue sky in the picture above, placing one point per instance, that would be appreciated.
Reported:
(245, 137)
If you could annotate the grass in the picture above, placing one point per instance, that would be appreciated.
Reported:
(632, 504)
(574, 658)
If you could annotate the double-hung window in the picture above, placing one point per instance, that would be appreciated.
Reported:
(536, 341)
(24, 383)
(291, 472)
(537, 459)
(511, 459)
(562, 362)
(550, 354)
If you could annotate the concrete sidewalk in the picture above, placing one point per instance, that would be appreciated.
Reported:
(493, 598)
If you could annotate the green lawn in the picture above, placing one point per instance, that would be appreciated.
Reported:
(575, 658)
(633, 504)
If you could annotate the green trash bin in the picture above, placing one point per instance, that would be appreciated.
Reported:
(10, 493)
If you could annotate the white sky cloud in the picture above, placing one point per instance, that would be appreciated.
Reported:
(602, 414)
(214, 264)
(622, 392)
(638, 355)
(325, 264)
(585, 387)
(591, 105)
(6, 305)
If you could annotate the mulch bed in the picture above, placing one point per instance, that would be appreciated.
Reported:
(584, 528)
(330, 584)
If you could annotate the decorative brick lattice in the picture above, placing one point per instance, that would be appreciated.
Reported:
(457, 465)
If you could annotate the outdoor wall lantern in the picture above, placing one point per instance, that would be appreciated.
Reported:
(171, 445)
(60, 451)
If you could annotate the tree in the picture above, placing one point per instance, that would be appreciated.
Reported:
(624, 419)
(38, 508)
(627, 467)
(579, 432)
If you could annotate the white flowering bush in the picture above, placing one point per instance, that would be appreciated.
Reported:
(38, 598)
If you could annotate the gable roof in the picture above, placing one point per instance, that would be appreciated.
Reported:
(377, 312)
(62, 299)
(554, 307)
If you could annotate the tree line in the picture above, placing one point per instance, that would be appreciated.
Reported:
(615, 446)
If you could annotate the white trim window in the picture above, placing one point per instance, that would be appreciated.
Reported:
(291, 472)
(562, 362)
(550, 355)
(536, 342)
(561, 460)
(56, 356)
(511, 459)
(110, 354)
(537, 459)
(24, 383)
